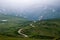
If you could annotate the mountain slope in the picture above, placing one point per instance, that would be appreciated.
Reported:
(8, 24)
(44, 29)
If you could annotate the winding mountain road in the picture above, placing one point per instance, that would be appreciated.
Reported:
(20, 30)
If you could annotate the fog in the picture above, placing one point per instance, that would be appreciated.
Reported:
(28, 8)
(23, 4)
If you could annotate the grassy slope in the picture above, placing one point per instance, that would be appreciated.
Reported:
(43, 29)
(17, 38)
(9, 27)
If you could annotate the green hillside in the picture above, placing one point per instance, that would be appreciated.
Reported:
(36, 30)
(9, 24)
(49, 28)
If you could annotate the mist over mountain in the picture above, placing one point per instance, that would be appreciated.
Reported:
(33, 10)
(29, 19)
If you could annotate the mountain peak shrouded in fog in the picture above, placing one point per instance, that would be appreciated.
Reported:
(31, 9)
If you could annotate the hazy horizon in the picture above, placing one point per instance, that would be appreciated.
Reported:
(30, 8)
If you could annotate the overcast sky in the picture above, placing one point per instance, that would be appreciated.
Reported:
(28, 7)
(25, 3)
(22, 5)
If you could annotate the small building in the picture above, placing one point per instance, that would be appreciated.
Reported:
(4, 20)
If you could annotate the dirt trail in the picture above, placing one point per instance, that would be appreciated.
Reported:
(19, 31)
